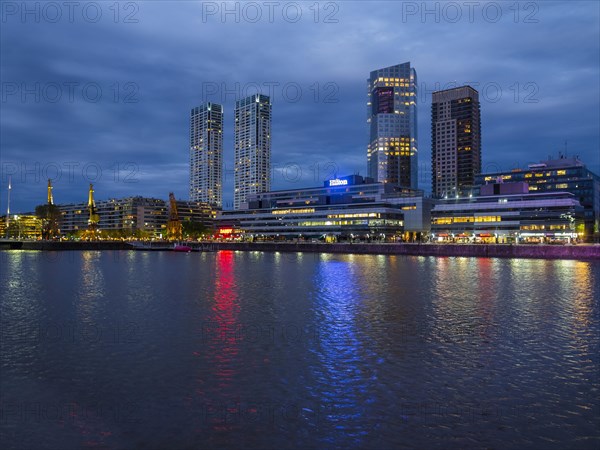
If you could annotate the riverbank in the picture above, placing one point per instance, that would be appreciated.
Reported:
(63, 245)
(586, 252)
(467, 250)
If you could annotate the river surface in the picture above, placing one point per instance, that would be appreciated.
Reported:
(161, 350)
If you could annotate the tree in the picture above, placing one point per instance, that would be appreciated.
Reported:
(193, 230)
(50, 216)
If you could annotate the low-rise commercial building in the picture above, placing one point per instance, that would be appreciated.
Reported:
(560, 175)
(345, 208)
(508, 213)
(21, 226)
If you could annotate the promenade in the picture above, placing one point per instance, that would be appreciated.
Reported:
(587, 252)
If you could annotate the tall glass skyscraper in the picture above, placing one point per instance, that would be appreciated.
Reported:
(252, 147)
(455, 141)
(392, 154)
(206, 154)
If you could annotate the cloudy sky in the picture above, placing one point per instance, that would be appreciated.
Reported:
(93, 92)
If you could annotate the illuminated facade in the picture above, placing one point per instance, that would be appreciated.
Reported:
(198, 212)
(135, 214)
(347, 207)
(126, 214)
(455, 141)
(392, 152)
(252, 141)
(206, 154)
(508, 213)
(562, 174)
(21, 226)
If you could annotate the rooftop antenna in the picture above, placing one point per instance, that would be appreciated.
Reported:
(565, 148)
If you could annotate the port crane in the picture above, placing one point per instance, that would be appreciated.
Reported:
(174, 228)
(50, 198)
(92, 232)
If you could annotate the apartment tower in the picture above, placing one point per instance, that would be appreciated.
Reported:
(455, 141)
(252, 141)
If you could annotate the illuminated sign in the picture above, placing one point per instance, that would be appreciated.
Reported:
(338, 182)
(226, 231)
(293, 211)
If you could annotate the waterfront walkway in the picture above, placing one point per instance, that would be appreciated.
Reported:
(467, 250)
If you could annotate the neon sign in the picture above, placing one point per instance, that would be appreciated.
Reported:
(338, 182)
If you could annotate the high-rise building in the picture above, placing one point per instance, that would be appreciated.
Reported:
(455, 141)
(252, 147)
(392, 153)
(206, 154)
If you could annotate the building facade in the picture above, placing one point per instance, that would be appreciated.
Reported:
(20, 226)
(197, 212)
(206, 154)
(392, 152)
(562, 174)
(252, 166)
(508, 213)
(125, 215)
(344, 208)
(455, 141)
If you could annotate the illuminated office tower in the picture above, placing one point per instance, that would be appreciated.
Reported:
(252, 147)
(455, 141)
(392, 153)
(206, 154)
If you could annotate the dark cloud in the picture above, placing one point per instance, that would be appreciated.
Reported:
(539, 83)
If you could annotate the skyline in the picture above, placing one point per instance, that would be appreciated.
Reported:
(326, 129)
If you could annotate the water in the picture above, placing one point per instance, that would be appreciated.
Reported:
(266, 350)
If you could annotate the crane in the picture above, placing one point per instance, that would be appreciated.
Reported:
(50, 198)
(92, 231)
(174, 228)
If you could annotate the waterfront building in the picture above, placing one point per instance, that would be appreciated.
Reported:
(392, 152)
(206, 154)
(74, 217)
(126, 214)
(346, 208)
(135, 216)
(252, 165)
(21, 226)
(455, 141)
(198, 212)
(508, 213)
(562, 174)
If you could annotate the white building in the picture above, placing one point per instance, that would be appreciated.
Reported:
(206, 154)
(252, 147)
